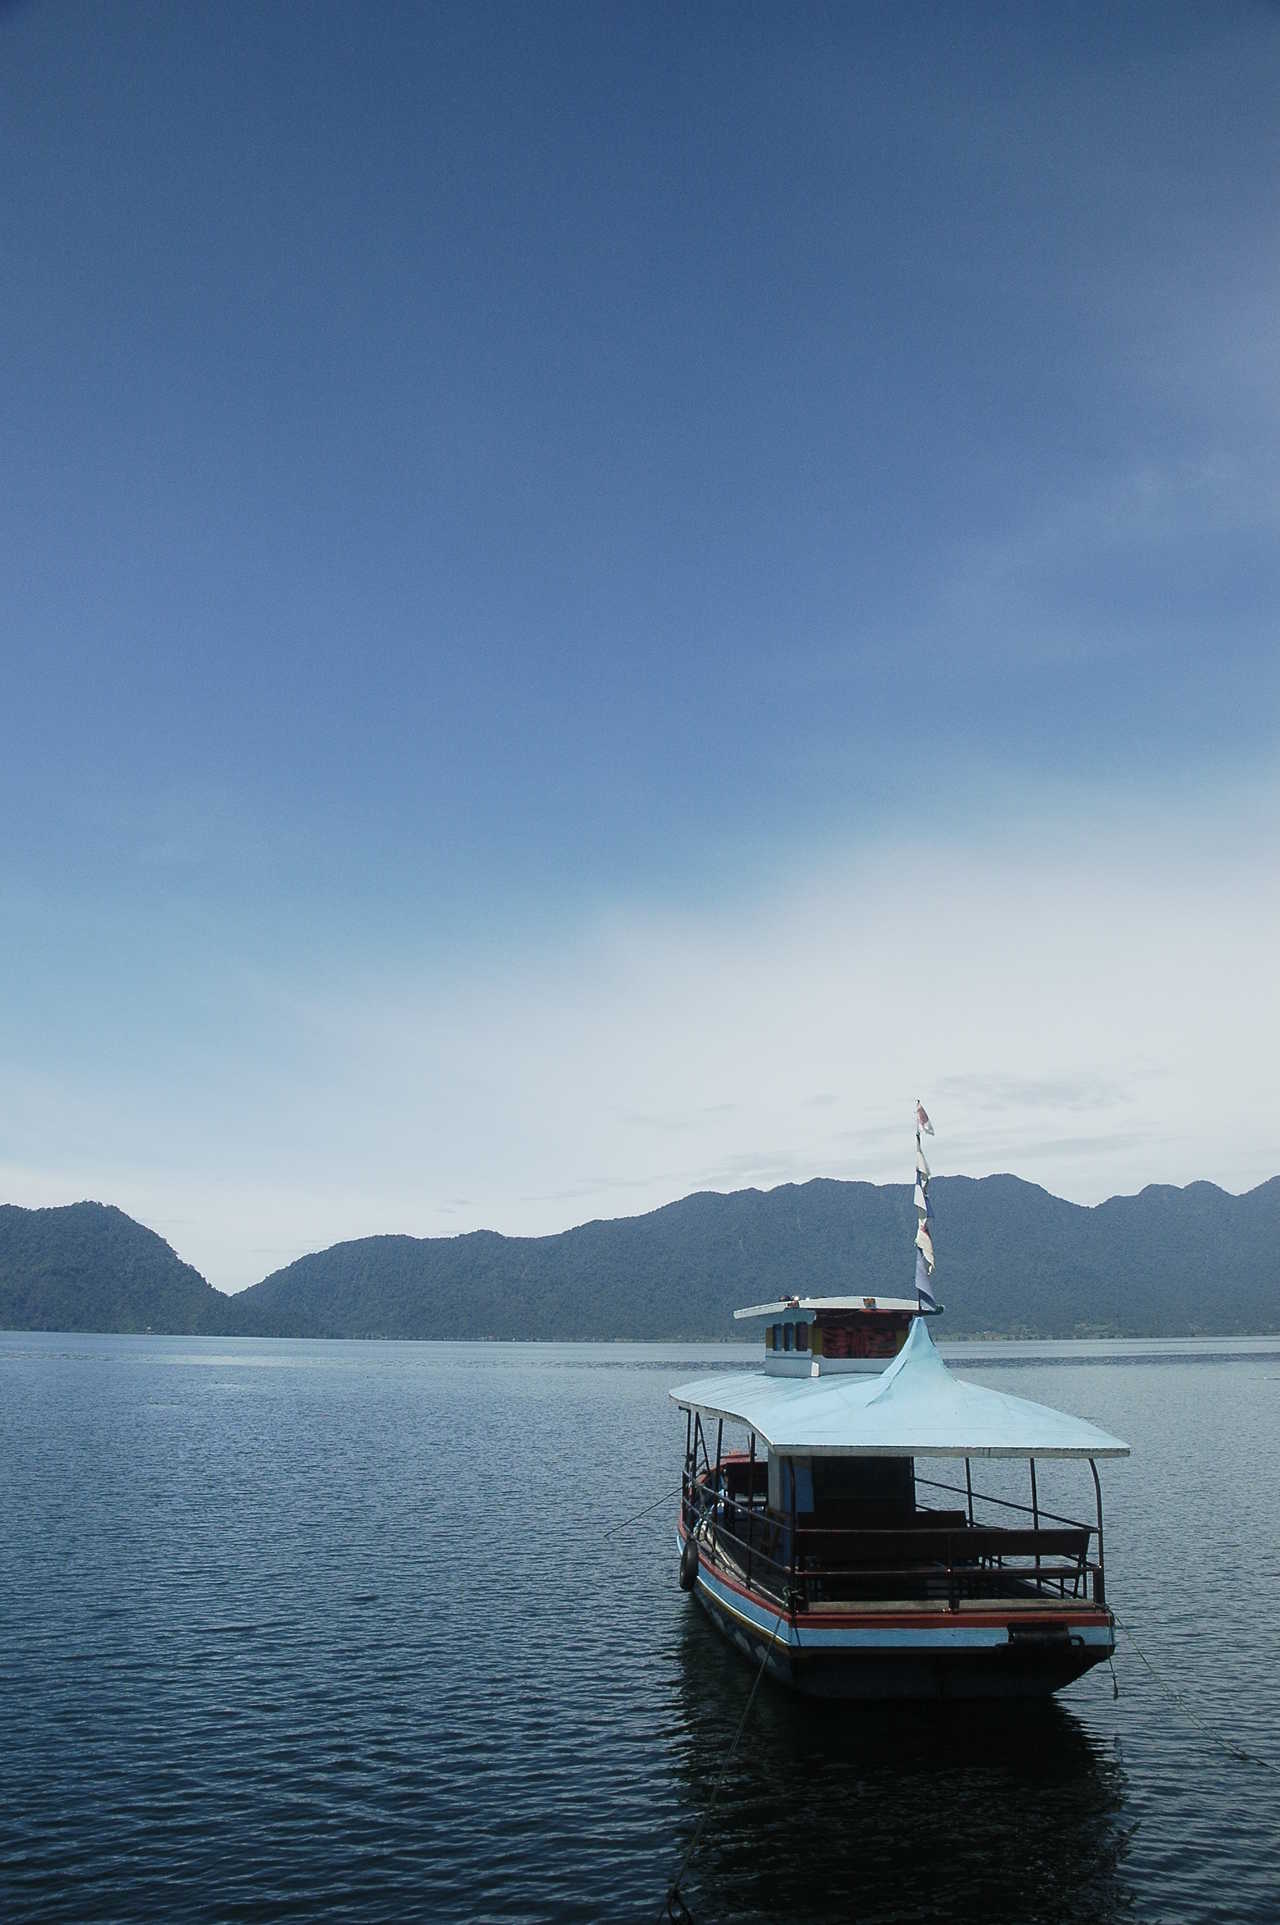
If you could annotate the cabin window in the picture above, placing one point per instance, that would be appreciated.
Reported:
(788, 1331)
(802, 1336)
(768, 1336)
(776, 1331)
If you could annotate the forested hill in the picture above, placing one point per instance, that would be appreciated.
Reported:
(88, 1266)
(1012, 1260)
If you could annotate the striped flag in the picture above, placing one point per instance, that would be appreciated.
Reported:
(924, 1288)
(925, 1299)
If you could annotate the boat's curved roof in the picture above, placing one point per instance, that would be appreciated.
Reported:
(780, 1305)
(914, 1408)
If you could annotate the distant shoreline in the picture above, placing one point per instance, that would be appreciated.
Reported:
(985, 1340)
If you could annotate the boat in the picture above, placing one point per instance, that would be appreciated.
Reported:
(823, 1550)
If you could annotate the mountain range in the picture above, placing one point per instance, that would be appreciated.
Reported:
(1013, 1261)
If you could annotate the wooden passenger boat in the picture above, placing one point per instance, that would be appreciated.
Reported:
(825, 1552)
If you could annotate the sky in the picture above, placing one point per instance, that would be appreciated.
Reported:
(598, 597)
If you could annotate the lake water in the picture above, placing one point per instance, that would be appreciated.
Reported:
(307, 1631)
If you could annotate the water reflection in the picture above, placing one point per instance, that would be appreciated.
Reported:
(892, 1813)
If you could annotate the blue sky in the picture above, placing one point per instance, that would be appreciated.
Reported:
(597, 597)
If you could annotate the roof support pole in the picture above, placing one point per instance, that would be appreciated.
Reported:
(968, 1488)
(751, 1504)
(1035, 1505)
(1099, 1581)
(717, 1502)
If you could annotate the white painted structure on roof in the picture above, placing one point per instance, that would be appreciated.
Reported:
(914, 1408)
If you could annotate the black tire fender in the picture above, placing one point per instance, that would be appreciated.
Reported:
(689, 1564)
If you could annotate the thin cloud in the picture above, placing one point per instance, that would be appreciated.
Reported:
(1107, 1143)
(979, 1091)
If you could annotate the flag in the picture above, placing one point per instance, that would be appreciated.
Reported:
(922, 1202)
(924, 1243)
(922, 1120)
(922, 1168)
(924, 1289)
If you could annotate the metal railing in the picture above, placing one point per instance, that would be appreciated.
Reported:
(973, 1497)
(805, 1567)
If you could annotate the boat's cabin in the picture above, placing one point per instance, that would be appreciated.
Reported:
(826, 1336)
(827, 1500)
(844, 1493)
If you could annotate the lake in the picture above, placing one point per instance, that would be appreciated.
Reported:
(300, 1630)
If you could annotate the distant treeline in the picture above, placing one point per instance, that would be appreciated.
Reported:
(1013, 1261)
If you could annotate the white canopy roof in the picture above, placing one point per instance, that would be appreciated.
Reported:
(782, 1304)
(914, 1408)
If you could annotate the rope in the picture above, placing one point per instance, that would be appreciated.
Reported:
(664, 1499)
(675, 1907)
(1225, 1744)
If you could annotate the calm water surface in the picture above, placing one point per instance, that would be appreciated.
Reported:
(331, 1631)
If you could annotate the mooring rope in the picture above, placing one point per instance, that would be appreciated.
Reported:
(675, 1907)
(664, 1499)
(1232, 1750)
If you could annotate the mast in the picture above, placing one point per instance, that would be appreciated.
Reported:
(929, 1305)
